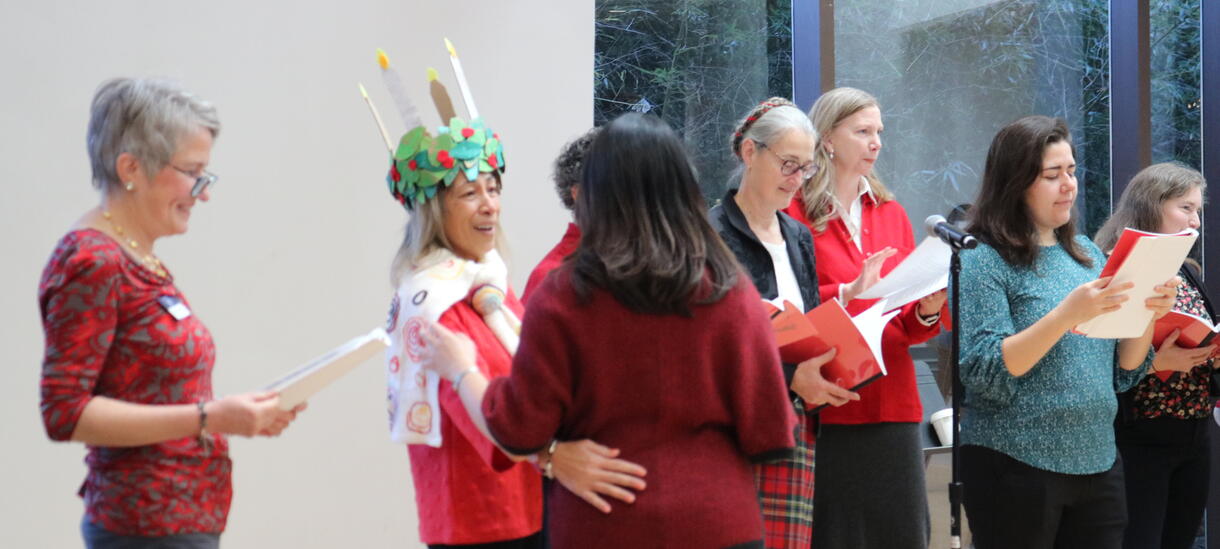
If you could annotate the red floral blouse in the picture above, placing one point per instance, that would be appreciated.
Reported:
(108, 334)
(1181, 395)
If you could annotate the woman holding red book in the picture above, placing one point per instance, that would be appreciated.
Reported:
(775, 143)
(1162, 423)
(871, 490)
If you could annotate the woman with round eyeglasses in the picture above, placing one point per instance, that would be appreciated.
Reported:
(871, 492)
(127, 368)
(775, 144)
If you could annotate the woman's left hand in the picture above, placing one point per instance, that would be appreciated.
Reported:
(1161, 303)
(591, 471)
(447, 353)
(932, 303)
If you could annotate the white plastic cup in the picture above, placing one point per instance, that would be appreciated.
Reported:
(942, 421)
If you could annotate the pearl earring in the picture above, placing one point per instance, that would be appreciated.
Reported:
(129, 186)
(832, 157)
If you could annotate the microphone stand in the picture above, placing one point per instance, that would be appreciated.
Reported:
(955, 483)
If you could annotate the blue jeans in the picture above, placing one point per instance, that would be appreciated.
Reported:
(98, 538)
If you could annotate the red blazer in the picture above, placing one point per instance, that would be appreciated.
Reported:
(553, 259)
(895, 397)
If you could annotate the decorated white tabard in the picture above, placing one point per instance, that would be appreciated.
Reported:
(424, 295)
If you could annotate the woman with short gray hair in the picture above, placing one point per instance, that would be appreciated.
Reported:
(127, 367)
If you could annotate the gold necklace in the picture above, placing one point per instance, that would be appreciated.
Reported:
(148, 260)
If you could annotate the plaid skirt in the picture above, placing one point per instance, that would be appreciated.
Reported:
(785, 490)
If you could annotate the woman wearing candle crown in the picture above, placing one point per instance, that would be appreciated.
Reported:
(468, 491)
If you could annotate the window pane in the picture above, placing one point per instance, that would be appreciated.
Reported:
(1175, 68)
(950, 73)
(698, 64)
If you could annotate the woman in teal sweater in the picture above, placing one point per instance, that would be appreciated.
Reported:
(1038, 457)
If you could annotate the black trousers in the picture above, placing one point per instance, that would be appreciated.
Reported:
(1167, 464)
(1014, 505)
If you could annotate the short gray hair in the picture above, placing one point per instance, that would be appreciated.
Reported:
(772, 125)
(143, 117)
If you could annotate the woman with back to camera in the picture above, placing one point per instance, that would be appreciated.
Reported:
(870, 469)
(775, 143)
(127, 368)
(1038, 458)
(1162, 424)
(650, 340)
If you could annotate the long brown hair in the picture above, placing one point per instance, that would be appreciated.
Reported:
(645, 237)
(1000, 216)
(827, 113)
(1140, 205)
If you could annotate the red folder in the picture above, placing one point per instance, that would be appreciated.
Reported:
(1126, 241)
(804, 336)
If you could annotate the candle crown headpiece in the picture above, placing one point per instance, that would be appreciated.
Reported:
(422, 162)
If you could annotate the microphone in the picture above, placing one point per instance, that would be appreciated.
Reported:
(949, 233)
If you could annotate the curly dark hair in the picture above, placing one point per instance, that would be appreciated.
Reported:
(569, 167)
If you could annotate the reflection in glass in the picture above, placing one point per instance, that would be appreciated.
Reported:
(950, 73)
(1175, 68)
(698, 64)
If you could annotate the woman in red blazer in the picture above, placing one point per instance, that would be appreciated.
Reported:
(871, 490)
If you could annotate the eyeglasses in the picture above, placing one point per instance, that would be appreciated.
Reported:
(788, 167)
(202, 182)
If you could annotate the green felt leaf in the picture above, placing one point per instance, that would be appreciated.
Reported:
(479, 137)
(484, 166)
(411, 142)
(455, 126)
(492, 145)
(420, 196)
(429, 178)
(450, 176)
(466, 150)
(430, 191)
(444, 142)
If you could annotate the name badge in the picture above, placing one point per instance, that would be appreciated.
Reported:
(174, 306)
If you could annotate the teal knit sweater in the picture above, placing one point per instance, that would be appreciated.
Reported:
(1059, 416)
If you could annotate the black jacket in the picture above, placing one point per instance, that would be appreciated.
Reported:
(730, 222)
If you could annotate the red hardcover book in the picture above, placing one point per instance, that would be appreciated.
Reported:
(804, 336)
(1193, 331)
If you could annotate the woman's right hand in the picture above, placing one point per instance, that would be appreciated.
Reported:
(591, 471)
(870, 273)
(250, 414)
(1171, 357)
(1093, 298)
(816, 390)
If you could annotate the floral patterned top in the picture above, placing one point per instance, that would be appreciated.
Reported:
(109, 334)
(1180, 395)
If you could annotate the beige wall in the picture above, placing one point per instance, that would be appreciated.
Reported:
(291, 255)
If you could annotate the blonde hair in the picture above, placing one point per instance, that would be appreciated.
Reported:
(826, 114)
(425, 235)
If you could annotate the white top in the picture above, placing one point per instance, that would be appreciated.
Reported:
(785, 277)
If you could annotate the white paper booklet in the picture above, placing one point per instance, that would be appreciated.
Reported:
(1148, 260)
(302, 383)
(925, 271)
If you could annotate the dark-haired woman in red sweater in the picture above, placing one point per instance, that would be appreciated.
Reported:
(650, 340)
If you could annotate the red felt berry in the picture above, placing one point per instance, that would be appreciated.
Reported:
(394, 175)
(492, 160)
(412, 165)
(467, 132)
